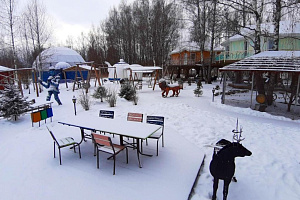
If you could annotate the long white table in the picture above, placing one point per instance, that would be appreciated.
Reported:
(138, 131)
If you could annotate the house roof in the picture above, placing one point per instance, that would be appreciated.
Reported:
(286, 28)
(193, 47)
(268, 61)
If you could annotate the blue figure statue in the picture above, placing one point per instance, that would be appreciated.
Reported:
(52, 84)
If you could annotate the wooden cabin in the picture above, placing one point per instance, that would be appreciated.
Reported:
(185, 60)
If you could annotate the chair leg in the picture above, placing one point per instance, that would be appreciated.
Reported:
(157, 148)
(162, 142)
(114, 156)
(59, 156)
(54, 148)
(127, 155)
(97, 159)
(79, 151)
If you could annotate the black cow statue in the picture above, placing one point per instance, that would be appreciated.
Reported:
(222, 165)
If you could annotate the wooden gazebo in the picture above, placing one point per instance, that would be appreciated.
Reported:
(269, 61)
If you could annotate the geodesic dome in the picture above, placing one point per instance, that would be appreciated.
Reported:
(54, 55)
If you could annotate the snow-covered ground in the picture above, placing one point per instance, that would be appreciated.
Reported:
(272, 172)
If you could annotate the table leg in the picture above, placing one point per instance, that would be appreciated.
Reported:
(138, 151)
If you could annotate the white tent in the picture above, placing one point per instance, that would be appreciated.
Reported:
(54, 55)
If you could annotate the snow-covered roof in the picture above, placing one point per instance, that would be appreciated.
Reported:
(142, 69)
(5, 69)
(286, 28)
(193, 47)
(278, 61)
(54, 55)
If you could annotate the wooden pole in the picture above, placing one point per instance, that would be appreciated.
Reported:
(224, 88)
(297, 93)
(156, 76)
(252, 85)
(35, 81)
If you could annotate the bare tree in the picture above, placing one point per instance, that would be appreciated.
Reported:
(9, 23)
(39, 29)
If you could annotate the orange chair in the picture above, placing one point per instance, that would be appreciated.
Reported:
(104, 144)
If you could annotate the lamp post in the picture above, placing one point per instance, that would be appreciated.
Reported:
(74, 102)
(213, 91)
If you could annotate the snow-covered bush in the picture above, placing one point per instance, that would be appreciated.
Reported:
(100, 93)
(111, 98)
(127, 92)
(84, 100)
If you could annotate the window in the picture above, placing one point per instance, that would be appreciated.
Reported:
(193, 56)
(270, 44)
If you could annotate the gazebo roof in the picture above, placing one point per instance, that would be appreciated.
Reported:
(268, 61)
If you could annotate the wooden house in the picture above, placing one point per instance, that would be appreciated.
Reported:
(186, 59)
(238, 47)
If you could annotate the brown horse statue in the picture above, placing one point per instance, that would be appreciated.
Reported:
(166, 88)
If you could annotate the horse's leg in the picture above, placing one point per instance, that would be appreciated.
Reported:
(215, 188)
(173, 93)
(225, 189)
(167, 92)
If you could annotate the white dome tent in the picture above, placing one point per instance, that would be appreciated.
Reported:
(54, 55)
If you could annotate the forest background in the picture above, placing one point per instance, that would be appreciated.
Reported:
(142, 31)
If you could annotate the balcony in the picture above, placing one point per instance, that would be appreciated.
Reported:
(233, 55)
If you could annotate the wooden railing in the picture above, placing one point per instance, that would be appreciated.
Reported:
(233, 55)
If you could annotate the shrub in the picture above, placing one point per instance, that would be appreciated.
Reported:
(127, 92)
(111, 98)
(100, 93)
(198, 91)
(84, 100)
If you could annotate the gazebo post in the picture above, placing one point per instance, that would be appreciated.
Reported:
(252, 86)
(224, 88)
(296, 98)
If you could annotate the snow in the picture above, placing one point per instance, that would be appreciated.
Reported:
(29, 171)
(5, 69)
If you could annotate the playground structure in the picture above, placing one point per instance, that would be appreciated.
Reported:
(16, 75)
(133, 73)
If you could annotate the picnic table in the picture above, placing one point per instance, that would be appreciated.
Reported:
(137, 131)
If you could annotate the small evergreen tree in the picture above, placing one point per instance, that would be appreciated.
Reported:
(12, 104)
(198, 91)
(100, 93)
(127, 92)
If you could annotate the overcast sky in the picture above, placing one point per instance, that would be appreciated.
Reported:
(71, 17)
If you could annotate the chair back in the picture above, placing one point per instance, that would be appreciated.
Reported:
(157, 120)
(106, 114)
(103, 140)
(137, 117)
(53, 137)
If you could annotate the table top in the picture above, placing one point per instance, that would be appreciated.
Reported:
(115, 126)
